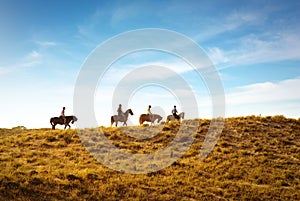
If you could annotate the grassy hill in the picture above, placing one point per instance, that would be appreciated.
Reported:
(256, 158)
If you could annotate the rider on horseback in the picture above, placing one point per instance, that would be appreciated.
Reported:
(62, 115)
(149, 112)
(174, 112)
(120, 112)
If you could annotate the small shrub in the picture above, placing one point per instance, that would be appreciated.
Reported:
(51, 139)
(19, 128)
(67, 139)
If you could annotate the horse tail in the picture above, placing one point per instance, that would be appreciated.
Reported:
(141, 120)
(51, 121)
(112, 121)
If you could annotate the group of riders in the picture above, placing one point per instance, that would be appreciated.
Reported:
(121, 113)
(149, 113)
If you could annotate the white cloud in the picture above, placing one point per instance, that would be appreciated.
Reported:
(255, 49)
(124, 12)
(231, 22)
(267, 43)
(266, 98)
(237, 18)
(4, 70)
(286, 90)
(30, 64)
(29, 60)
(33, 55)
(282, 47)
(46, 43)
(217, 55)
(145, 71)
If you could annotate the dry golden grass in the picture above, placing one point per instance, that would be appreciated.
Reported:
(256, 158)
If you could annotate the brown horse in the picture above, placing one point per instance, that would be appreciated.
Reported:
(116, 118)
(146, 117)
(58, 120)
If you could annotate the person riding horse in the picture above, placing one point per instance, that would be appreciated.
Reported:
(149, 113)
(120, 112)
(62, 115)
(174, 112)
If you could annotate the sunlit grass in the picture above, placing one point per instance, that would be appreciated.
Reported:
(256, 158)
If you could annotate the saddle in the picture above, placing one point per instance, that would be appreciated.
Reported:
(121, 117)
(176, 116)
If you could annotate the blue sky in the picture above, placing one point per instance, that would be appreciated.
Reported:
(43, 44)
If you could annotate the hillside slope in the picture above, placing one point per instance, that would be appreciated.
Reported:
(256, 158)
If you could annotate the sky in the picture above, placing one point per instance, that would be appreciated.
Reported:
(254, 46)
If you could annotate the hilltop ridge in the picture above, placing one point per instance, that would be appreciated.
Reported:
(255, 158)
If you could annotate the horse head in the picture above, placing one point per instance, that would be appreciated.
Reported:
(130, 111)
(74, 119)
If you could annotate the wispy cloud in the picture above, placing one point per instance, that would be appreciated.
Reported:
(33, 55)
(30, 64)
(231, 22)
(124, 12)
(269, 38)
(91, 29)
(145, 71)
(285, 90)
(255, 49)
(31, 59)
(217, 55)
(46, 43)
(4, 70)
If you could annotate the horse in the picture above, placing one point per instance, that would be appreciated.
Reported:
(172, 118)
(58, 120)
(146, 117)
(116, 118)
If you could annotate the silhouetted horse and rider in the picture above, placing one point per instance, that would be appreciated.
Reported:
(63, 120)
(121, 117)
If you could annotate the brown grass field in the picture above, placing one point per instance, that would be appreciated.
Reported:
(256, 158)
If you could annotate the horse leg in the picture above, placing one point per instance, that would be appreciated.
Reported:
(67, 125)
(154, 119)
(53, 126)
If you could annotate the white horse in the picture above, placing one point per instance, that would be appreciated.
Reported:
(116, 118)
(172, 118)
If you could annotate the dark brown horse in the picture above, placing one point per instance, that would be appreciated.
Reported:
(172, 118)
(59, 120)
(116, 118)
(146, 117)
